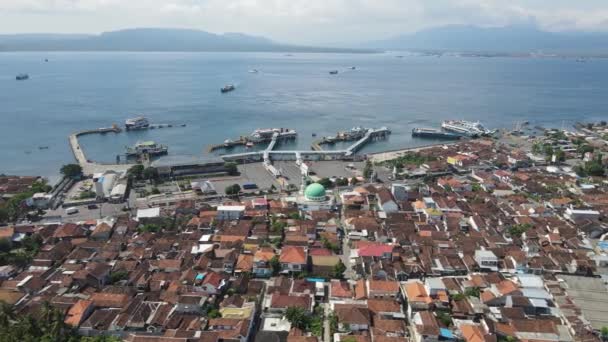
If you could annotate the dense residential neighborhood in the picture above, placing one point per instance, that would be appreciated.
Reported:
(477, 241)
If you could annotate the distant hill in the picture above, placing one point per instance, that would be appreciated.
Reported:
(525, 38)
(153, 39)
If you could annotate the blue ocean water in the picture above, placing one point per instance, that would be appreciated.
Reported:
(76, 91)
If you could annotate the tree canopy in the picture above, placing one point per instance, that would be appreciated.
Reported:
(71, 170)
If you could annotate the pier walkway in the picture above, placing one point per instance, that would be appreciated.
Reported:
(90, 167)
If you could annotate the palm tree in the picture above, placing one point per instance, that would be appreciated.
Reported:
(6, 314)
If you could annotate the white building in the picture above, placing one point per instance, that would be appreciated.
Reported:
(230, 212)
(578, 214)
(39, 200)
(486, 260)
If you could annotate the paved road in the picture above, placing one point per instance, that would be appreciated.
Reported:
(84, 213)
(326, 326)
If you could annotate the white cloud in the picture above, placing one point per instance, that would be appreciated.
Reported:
(297, 21)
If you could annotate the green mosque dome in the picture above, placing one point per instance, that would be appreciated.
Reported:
(315, 192)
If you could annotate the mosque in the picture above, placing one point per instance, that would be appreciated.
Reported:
(314, 197)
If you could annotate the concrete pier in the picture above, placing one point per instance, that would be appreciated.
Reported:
(89, 167)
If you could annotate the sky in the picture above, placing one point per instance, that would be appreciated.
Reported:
(298, 21)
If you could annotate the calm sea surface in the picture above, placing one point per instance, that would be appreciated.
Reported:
(76, 91)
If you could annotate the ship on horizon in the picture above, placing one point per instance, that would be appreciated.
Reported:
(227, 88)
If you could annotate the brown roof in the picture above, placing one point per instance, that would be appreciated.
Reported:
(285, 301)
(293, 255)
(264, 254)
(10, 297)
(381, 305)
(110, 300)
(383, 286)
(76, 313)
(340, 288)
(360, 289)
(352, 314)
(416, 292)
(244, 262)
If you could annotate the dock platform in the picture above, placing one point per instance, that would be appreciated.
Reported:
(90, 167)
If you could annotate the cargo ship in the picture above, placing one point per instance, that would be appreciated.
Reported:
(435, 134)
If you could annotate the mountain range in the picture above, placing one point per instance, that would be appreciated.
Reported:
(154, 39)
(512, 39)
(455, 38)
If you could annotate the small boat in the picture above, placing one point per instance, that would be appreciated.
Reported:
(353, 68)
(249, 145)
(22, 77)
(43, 147)
(227, 88)
(314, 134)
(333, 72)
(183, 125)
(46, 60)
(253, 71)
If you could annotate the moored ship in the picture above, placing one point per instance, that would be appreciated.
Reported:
(147, 147)
(266, 134)
(467, 128)
(434, 133)
(139, 122)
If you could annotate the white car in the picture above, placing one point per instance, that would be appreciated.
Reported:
(71, 210)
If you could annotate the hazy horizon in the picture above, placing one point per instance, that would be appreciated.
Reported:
(318, 22)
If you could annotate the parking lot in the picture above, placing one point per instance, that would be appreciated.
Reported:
(256, 173)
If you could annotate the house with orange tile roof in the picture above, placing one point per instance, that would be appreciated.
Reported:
(244, 263)
(261, 262)
(382, 289)
(472, 333)
(340, 290)
(293, 259)
(417, 297)
(79, 312)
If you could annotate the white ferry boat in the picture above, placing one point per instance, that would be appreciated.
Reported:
(137, 123)
(267, 133)
(467, 128)
(147, 147)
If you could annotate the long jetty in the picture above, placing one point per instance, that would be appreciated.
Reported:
(90, 167)
(317, 152)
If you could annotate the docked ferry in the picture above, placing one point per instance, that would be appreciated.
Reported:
(137, 123)
(147, 147)
(267, 133)
(467, 128)
(434, 133)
